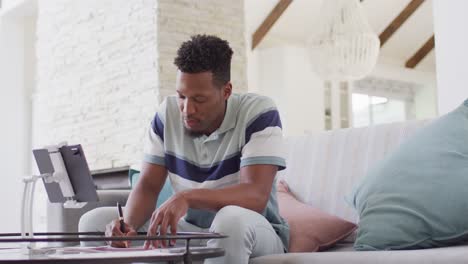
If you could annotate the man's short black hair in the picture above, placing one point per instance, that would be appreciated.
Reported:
(204, 53)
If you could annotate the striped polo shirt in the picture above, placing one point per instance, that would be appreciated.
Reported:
(249, 134)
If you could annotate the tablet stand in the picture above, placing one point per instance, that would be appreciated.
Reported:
(50, 161)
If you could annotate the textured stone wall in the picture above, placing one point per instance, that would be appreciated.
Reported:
(104, 66)
(179, 19)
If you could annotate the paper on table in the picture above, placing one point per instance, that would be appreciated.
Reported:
(110, 252)
(98, 249)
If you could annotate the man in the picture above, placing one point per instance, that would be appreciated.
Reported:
(221, 152)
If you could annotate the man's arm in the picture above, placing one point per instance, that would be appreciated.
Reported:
(142, 200)
(252, 193)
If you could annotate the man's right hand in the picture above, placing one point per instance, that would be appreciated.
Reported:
(113, 230)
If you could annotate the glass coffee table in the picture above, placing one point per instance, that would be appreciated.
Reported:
(68, 255)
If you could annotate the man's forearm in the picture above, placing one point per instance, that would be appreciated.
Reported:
(140, 205)
(244, 195)
(142, 200)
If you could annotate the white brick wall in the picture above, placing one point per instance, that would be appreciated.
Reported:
(104, 65)
(97, 76)
(179, 19)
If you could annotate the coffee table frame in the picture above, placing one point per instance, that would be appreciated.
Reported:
(186, 257)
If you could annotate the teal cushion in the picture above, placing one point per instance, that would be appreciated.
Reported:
(166, 191)
(418, 196)
(133, 176)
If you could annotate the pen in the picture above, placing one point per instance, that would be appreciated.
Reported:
(122, 223)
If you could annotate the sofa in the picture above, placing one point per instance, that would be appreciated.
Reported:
(322, 168)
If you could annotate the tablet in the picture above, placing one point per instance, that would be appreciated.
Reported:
(77, 168)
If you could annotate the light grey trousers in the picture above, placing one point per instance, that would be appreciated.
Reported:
(249, 233)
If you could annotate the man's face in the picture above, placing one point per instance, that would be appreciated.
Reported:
(201, 103)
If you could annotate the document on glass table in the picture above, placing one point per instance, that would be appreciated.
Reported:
(111, 252)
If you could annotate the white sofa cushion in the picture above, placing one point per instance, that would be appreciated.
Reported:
(346, 254)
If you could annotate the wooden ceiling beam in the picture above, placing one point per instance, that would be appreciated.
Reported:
(399, 20)
(269, 21)
(421, 53)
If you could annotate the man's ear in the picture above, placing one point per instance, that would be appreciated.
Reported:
(227, 90)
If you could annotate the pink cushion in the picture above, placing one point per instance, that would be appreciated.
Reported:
(310, 228)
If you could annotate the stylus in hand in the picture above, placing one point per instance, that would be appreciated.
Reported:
(122, 223)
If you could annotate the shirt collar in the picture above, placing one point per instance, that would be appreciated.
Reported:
(230, 117)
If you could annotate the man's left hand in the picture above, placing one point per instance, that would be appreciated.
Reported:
(168, 215)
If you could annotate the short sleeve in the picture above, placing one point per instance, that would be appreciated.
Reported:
(154, 142)
(264, 141)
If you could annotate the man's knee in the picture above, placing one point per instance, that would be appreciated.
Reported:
(231, 220)
(97, 219)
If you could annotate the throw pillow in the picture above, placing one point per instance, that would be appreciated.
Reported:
(310, 229)
(417, 196)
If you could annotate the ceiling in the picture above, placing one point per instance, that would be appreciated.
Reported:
(296, 24)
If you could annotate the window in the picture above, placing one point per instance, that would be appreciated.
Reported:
(371, 110)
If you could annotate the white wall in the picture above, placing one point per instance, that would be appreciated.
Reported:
(425, 98)
(15, 119)
(105, 65)
(425, 102)
(451, 41)
(285, 74)
(18, 77)
(180, 19)
(97, 77)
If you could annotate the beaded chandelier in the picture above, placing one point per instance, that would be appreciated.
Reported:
(343, 46)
